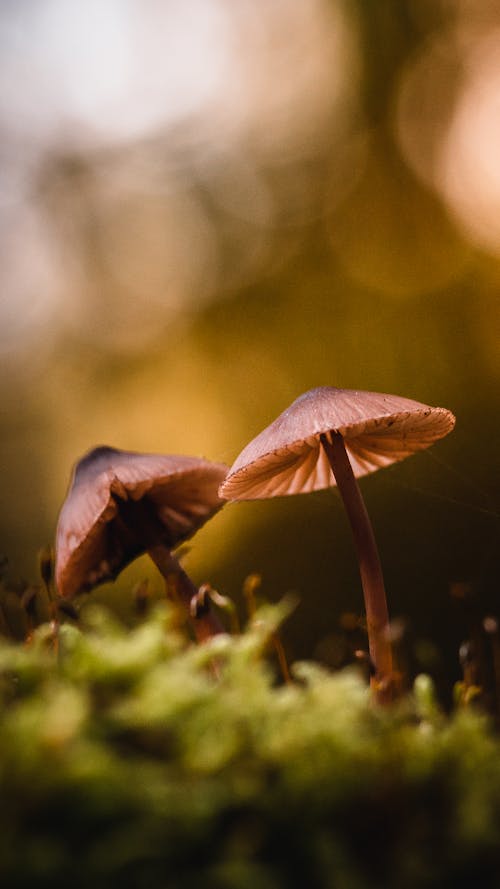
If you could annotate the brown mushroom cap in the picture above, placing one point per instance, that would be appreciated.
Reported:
(286, 458)
(120, 503)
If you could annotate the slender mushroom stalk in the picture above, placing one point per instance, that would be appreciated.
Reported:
(370, 568)
(139, 519)
(329, 437)
(205, 621)
(122, 504)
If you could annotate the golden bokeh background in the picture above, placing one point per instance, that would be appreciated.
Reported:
(208, 207)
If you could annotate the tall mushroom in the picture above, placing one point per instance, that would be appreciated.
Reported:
(121, 504)
(330, 437)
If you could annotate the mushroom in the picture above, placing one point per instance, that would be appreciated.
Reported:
(330, 437)
(121, 504)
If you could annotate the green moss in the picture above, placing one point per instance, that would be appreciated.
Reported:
(134, 756)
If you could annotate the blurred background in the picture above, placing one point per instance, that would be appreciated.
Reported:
(208, 207)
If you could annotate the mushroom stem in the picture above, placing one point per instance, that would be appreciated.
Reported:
(377, 617)
(205, 623)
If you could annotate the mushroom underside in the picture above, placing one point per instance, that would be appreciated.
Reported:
(125, 529)
(304, 467)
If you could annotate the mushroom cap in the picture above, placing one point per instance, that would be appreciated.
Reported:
(287, 457)
(119, 503)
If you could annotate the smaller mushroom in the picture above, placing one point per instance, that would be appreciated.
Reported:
(122, 504)
(330, 437)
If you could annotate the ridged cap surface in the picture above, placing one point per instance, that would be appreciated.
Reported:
(177, 494)
(286, 457)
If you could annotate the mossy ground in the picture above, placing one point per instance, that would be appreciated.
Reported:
(133, 757)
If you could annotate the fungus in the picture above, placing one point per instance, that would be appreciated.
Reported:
(330, 437)
(122, 504)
